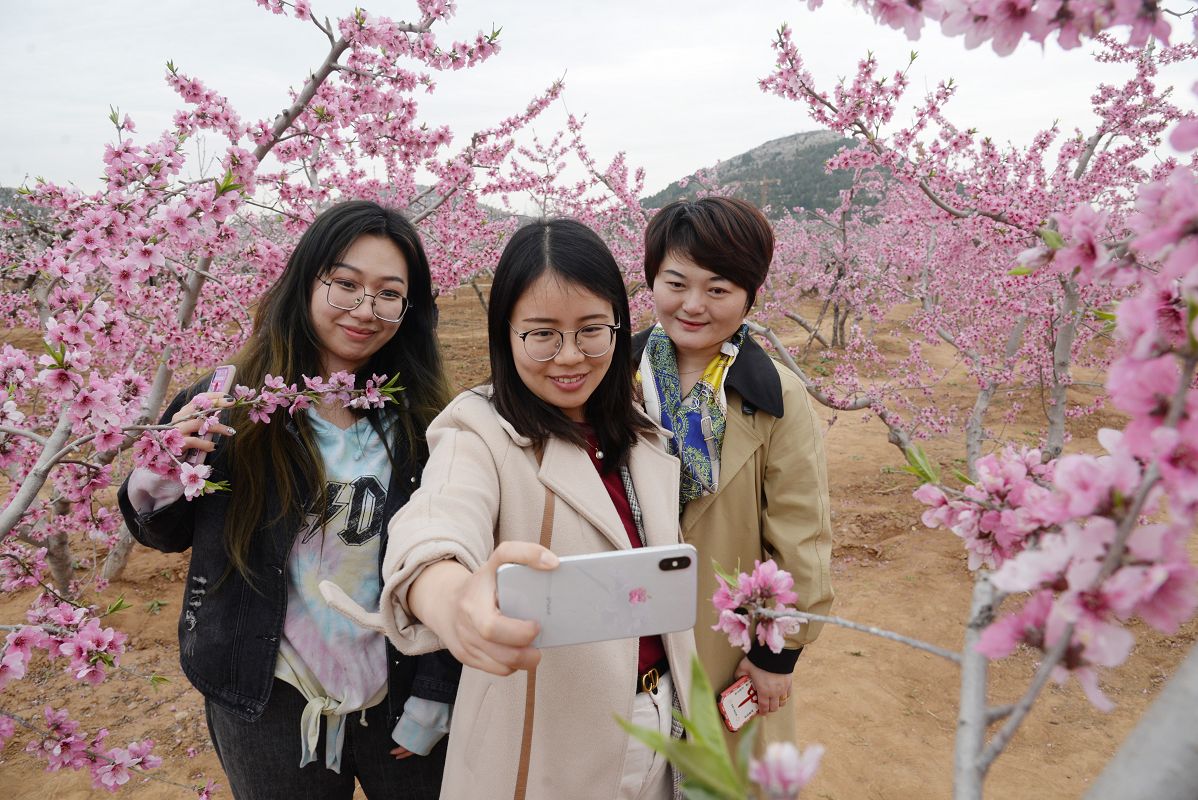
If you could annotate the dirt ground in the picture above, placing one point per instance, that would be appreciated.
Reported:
(885, 713)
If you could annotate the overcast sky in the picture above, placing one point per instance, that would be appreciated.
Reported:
(672, 83)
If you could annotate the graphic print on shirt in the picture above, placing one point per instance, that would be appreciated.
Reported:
(354, 511)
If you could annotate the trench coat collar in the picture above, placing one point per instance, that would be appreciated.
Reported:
(752, 376)
(568, 472)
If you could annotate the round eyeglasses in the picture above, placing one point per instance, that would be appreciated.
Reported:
(388, 304)
(543, 344)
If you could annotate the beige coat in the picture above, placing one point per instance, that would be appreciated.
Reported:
(772, 502)
(482, 484)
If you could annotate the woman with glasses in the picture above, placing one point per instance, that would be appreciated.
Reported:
(753, 480)
(553, 458)
(300, 702)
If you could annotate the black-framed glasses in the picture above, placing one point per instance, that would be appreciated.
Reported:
(543, 344)
(345, 294)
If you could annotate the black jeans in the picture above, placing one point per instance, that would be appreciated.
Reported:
(261, 759)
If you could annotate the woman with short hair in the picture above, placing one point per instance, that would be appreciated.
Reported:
(753, 479)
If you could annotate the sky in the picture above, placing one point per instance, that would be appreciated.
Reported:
(671, 83)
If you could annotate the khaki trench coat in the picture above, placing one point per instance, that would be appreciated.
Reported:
(482, 484)
(772, 502)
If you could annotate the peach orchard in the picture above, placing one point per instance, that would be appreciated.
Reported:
(1077, 250)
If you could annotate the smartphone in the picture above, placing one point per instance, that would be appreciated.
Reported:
(222, 381)
(599, 596)
(738, 703)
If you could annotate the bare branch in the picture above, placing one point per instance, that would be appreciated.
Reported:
(1021, 708)
(22, 432)
(770, 613)
(809, 327)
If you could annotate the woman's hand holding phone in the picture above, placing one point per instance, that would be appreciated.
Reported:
(773, 689)
(188, 424)
(469, 622)
(198, 431)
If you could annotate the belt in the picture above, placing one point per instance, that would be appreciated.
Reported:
(647, 681)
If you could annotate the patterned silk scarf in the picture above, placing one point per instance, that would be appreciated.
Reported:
(696, 421)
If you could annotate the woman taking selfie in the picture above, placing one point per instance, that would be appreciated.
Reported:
(300, 702)
(753, 481)
(552, 459)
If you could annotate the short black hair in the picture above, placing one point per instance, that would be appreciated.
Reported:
(574, 253)
(728, 236)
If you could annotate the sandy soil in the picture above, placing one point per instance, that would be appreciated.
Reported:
(886, 713)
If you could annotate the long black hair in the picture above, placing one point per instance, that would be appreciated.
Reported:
(284, 343)
(572, 252)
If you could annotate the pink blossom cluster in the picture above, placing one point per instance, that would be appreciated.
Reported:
(64, 746)
(739, 601)
(73, 633)
(1005, 23)
(161, 449)
(784, 769)
(996, 514)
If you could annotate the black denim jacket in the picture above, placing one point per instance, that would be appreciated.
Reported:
(229, 630)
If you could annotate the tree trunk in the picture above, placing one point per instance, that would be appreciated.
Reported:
(1159, 759)
(972, 717)
(975, 426)
(118, 556)
(1062, 357)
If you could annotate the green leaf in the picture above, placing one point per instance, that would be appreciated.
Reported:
(704, 714)
(114, 115)
(961, 476)
(216, 486)
(692, 791)
(1017, 271)
(118, 604)
(700, 765)
(155, 606)
(105, 657)
(919, 465)
(730, 578)
(56, 353)
(392, 384)
(227, 184)
(1052, 238)
(744, 748)
(158, 680)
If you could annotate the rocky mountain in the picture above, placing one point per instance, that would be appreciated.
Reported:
(782, 173)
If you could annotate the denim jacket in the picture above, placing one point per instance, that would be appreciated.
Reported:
(229, 630)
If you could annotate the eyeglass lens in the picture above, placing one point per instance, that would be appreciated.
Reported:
(592, 341)
(389, 305)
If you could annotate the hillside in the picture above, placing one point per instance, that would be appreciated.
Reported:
(782, 173)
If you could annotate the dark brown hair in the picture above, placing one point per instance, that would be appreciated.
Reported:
(284, 343)
(573, 253)
(728, 236)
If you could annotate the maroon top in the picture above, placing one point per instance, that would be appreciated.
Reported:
(652, 649)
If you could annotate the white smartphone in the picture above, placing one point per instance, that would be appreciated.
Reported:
(600, 596)
(222, 381)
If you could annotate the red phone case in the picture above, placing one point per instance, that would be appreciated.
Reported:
(738, 703)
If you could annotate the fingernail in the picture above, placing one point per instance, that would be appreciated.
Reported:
(231, 432)
(548, 559)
